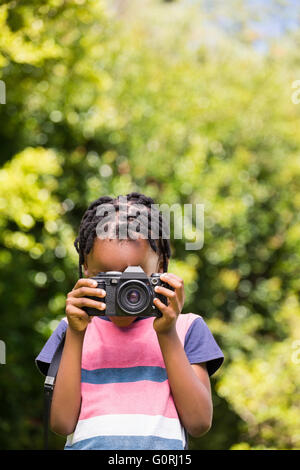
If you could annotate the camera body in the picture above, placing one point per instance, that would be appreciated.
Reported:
(128, 293)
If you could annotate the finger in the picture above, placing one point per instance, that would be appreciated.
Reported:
(171, 296)
(165, 291)
(85, 281)
(90, 291)
(168, 314)
(85, 302)
(175, 282)
(178, 290)
(73, 311)
(172, 279)
(161, 306)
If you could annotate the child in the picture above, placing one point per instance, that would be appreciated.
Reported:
(131, 382)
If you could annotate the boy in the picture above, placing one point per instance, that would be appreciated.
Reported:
(129, 382)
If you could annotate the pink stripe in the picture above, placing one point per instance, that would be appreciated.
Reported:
(133, 398)
(104, 344)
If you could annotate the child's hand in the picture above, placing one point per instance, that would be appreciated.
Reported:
(78, 319)
(176, 298)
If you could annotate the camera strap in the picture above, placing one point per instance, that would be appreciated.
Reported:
(49, 387)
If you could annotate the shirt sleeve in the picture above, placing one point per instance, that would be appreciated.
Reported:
(201, 346)
(44, 358)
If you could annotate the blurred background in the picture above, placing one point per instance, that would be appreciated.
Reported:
(188, 102)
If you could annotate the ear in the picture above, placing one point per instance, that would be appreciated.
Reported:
(160, 265)
(85, 268)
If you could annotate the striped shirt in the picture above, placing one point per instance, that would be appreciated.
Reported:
(127, 402)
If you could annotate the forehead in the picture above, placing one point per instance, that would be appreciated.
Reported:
(116, 255)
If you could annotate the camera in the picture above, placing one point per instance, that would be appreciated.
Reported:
(128, 293)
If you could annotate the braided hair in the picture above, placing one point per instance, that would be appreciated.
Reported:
(150, 219)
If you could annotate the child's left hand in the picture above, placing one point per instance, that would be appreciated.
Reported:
(176, 298)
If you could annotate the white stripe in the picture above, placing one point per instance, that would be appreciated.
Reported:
(127, 425)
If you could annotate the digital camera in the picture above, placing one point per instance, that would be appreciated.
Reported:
(128, 293)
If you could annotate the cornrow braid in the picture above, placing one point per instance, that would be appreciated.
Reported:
(149, 219)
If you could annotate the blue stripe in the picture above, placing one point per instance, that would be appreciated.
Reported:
(123, 375)
(127, 443)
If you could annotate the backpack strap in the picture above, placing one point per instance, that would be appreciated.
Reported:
(186, 447)
(49, 387)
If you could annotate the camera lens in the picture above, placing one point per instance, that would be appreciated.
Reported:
(133, 296)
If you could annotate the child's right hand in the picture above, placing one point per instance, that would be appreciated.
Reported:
(78, 319)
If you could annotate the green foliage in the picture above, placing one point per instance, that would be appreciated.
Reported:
(103, 102)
